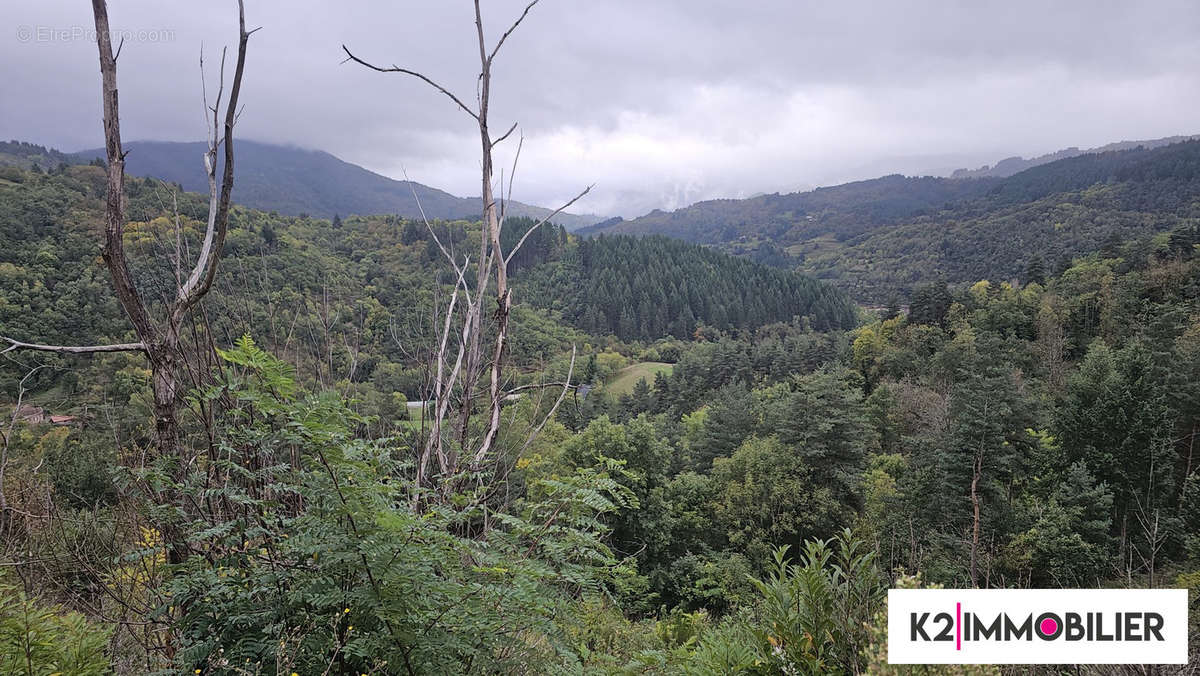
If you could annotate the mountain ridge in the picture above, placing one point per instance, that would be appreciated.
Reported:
(1016, 164)
(288, 179)
(881, 237)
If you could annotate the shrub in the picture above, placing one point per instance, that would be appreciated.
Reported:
(37, 640)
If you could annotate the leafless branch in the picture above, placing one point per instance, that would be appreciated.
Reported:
(478, 372)
(218, 219)
(505, 135)
(427, 80)
(509, 32)
(545, 220)
(512, 175)
(71, 349)
(538, 386)
(460, 270)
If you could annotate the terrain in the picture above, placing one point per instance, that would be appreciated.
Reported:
(878, 239)
(1012, 165)
(733, 462)
(287, 179)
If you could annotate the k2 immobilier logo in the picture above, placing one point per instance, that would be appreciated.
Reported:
(1037, 626)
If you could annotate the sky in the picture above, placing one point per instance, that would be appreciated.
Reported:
(658, 103)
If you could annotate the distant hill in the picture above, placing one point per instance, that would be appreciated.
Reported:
(53, 285)
(845, 210)
(642, 288)
(883, 236)
(27, 155)
(1012, 165)
(295, 181)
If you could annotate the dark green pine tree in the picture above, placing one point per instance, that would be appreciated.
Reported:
(930, 304)
(1035, 271)
(412, 233)
(726, 426)
(1183, 241)
(626, 325)
(1111, 248)
(893, 307)
(589, 371)
(1063, 264)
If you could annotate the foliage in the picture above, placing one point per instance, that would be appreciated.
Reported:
(37, 639)
(646, 288)
(876, 651)
(816, 611)
(320, 558)
(887, 235)
(1001, 433)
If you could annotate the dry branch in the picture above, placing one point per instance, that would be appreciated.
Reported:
(72, 349)
(396, 69)
(459, 386)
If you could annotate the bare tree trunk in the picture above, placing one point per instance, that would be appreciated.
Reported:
(469, 363)
(164, 384)
(161, 342)
(114, 248)
(5, 439)
(975, 522)
(1187, 469)
(1051, 342)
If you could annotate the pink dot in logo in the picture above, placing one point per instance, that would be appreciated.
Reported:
(1048, 626)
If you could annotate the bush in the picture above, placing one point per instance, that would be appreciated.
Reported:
(37, 640)
(324, 557)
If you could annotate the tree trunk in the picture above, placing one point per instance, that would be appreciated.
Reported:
(1187, 469)
(161, 341)
(3, 498)
(163, 361)
(471, 363)
(975, 522)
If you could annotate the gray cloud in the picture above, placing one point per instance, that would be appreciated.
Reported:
(659, 103)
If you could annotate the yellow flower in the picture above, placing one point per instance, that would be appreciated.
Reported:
(345, 611)
(350, 628)
(197, 671)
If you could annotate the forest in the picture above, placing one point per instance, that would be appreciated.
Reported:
(646, 288)
(239, 441)
(774, 454)
(878, 239)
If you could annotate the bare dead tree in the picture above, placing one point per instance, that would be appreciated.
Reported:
(1148, 518)
(6, 436)
(460, 361)
(1052, 341)
(159, 338)
(976, 500)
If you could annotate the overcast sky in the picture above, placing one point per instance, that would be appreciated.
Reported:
(658, 102)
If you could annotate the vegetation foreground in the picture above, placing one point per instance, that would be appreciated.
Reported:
(378, 445)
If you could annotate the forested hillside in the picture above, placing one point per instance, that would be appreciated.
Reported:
(842, 211)
(293, 181)
(647, 288)
(1038, 434)
(342, 300)
(27, 155)
(345, 300)
(241, 438)
(877, 239)
(1013, 165)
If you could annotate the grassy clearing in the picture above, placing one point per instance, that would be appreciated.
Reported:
(627, 377)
